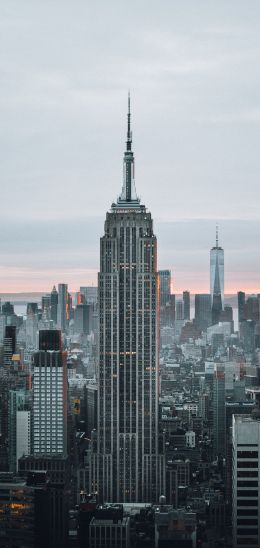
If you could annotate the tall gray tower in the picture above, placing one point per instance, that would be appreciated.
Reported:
(216, 280)
(126, 463)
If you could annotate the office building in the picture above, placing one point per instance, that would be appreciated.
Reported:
(62, 314)
(127, 433)
(90, 401)
(174, 527)
(83, 318)
(24, 512)
(246, 480)
(90, 294)
(219, 410)
(216, 280)
(9, 345)
(202, 311)
(19, 425)
(165, 287)
(109, 527)
(186, 304)
(54, 305)
(241, 301)
(49, 398)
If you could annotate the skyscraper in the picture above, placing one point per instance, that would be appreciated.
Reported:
(62, 315)
(246, 480)
(216, 280)
(219, 410)
(165, 286)
(54, 305)
(186, 303)
(202, 311)
(241, 301)
(49, 398)
(127, 433)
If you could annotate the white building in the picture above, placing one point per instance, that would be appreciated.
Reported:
(50, 403)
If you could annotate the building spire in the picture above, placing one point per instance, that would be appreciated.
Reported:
(217, 235)
(129, 132)
(128, 197)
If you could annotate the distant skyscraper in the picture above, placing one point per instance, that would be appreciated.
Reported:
(49, 398)
(62, 306)
(246, 480)
(127, 433)
(54, 305)
(186, 303)
(216, 280)
(202, 311)
(9, 344)
(165, 286)
(241, 300)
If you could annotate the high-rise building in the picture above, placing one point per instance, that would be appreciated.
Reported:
(202, 311)
(54, 305)
(9, 345)
(127, 432)
(246, 480)
(186, 304)
(18, 430)
(241, 301)
(82, 318)
(90, 294)
(62, 314)
(49, 399)
(165, 286)
(219, 410)
(216, 280)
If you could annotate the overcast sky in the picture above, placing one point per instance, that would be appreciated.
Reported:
(193, 71)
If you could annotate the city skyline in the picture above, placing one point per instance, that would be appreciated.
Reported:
(196, 142)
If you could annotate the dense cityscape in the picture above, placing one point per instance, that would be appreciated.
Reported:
(129, 415)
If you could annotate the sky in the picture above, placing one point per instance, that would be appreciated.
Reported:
(193, 71)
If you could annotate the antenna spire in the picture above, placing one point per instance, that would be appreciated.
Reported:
(217, 235)
(129, 132)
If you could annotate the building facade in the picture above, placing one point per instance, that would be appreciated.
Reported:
(246, 480)
(128, 289)
(49, 398)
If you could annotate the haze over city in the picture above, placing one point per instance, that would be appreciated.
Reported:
(192, 73)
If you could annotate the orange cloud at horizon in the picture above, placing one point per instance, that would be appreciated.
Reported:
(29, 280)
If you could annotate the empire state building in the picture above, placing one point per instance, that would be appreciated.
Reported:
(126, 464)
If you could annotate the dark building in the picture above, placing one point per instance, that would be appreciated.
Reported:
(24, 511)
(58, 475)
(219, 410)
(252, 309)
(54, 305)
(7, 309)
(241, 300)
(10, 334)
(90, 396)
(186, 304)
(9, 345)
(202, 311)
(49, 339)
(32, 309)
